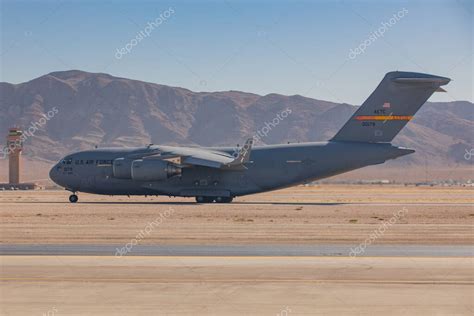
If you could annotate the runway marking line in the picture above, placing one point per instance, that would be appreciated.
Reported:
(115, 280)
(319, 257)
(134, 257)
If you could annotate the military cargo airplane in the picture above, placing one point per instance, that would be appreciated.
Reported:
(211, 174)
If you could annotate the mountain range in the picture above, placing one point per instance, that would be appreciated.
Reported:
(96, 109)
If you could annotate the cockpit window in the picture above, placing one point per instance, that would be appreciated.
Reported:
(66, 161)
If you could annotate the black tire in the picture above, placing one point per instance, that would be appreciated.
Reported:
(73, 198)
(222, 199)
(204, 199)
(200, 199)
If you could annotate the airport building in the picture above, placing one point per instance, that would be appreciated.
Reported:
(13, 150)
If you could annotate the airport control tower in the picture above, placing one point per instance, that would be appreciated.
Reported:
(15, 147)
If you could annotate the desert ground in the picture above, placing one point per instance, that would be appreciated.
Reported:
(302, 215)
(241, 285)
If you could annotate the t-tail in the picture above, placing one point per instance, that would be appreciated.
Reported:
(390, 107)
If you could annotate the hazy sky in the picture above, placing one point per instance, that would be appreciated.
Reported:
(287, 47)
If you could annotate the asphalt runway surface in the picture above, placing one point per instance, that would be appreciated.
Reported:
(239, 250)
(235, 285)
(282, 253)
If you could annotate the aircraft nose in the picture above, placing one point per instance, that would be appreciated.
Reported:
(53, 174)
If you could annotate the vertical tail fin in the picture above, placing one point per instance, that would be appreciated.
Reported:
(389, 108)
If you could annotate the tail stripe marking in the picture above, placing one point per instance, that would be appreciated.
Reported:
(384, 117)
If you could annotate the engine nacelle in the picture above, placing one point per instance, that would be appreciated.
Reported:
(122, 168)
(153, 170)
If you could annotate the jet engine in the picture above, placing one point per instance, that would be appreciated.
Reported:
(153, 170)
(122, 168)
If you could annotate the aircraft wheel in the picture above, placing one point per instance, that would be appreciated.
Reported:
(200, 199)
(221, 199)
(204, 199)
(73, 198)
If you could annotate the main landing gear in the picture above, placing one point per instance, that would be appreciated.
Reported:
(211, 199)
(73, 198)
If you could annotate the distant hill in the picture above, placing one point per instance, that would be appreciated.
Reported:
(99, 109)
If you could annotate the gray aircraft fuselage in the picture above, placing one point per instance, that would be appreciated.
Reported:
(269, 168)
(211, 174)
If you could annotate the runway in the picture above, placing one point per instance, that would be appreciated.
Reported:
(281, 253)
(250, 285)
(240, 250)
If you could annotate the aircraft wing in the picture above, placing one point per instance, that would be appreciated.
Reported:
(205, 157)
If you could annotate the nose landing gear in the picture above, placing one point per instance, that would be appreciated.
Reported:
(73, 198)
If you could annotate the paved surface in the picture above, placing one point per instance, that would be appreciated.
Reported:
(240, 250)
(281, 253)
(151, 285)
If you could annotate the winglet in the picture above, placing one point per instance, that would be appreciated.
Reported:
(244, 154)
